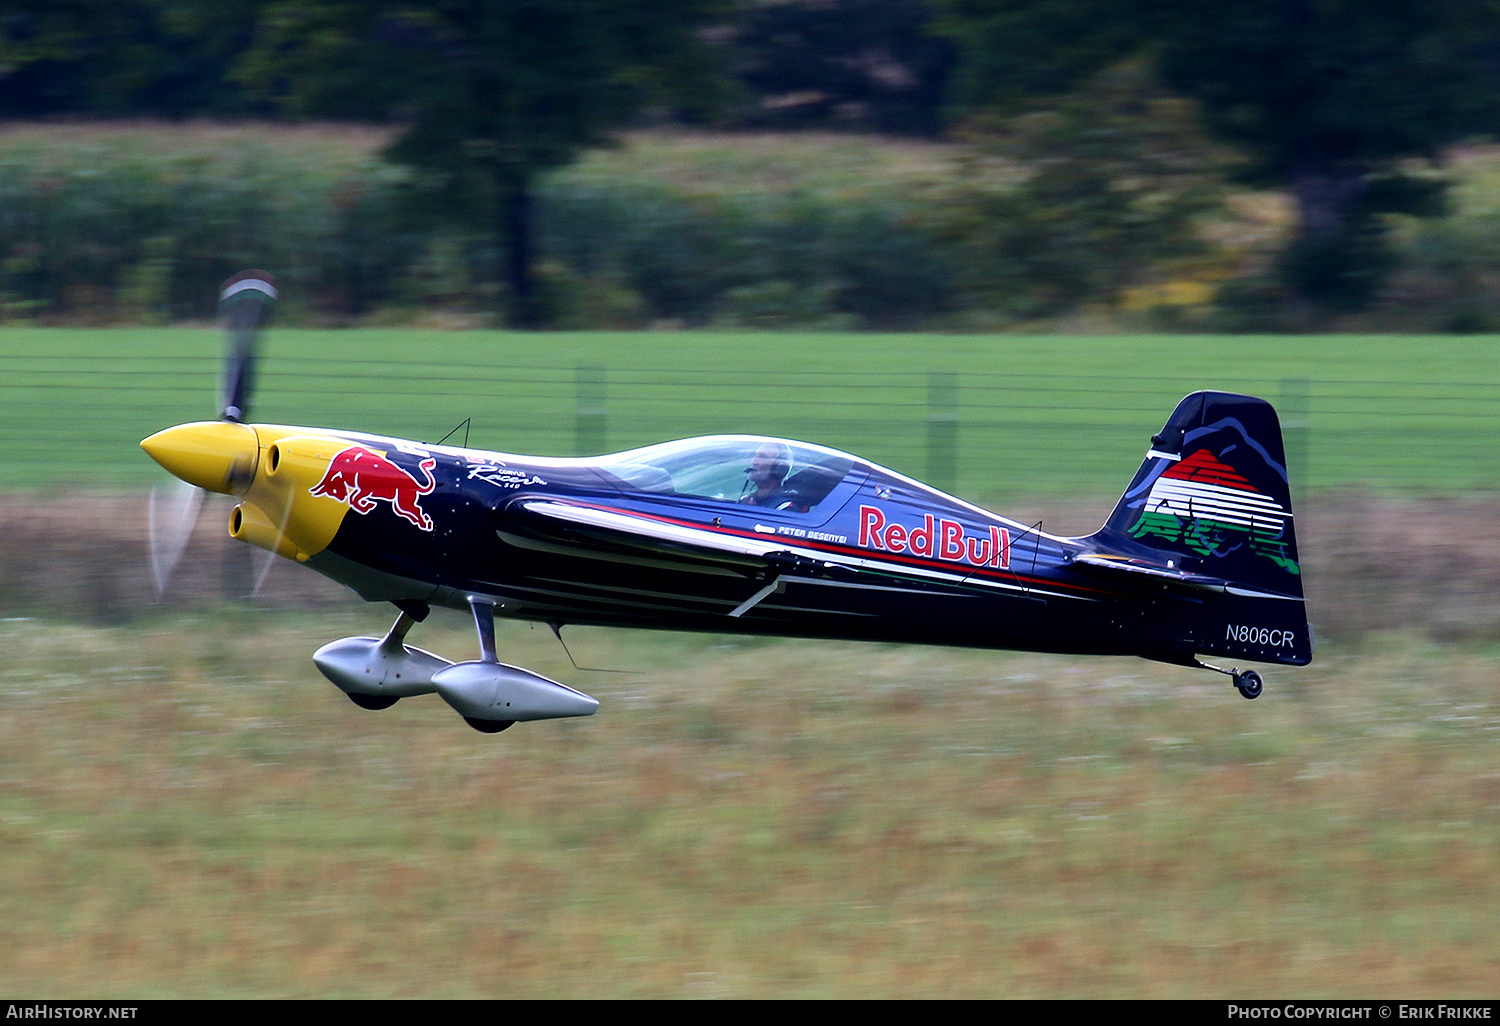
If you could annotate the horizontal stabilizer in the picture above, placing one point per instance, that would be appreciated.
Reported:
(1166, 573)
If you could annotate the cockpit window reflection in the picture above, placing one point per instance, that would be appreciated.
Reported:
(766, 472)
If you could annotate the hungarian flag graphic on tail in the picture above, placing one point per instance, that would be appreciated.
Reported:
(1210, 508)
(1211, 503)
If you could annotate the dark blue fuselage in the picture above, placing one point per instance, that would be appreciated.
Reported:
(877, 557)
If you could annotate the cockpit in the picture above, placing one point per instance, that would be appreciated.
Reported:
(771, 473)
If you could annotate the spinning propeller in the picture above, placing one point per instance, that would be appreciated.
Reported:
(215, 456)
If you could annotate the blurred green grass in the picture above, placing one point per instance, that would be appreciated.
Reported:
(187, 810)
(1038, 415)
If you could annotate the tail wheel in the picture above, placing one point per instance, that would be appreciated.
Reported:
(1249, 683)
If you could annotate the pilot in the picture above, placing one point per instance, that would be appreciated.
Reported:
(767, 469)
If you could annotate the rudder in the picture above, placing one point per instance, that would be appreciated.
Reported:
(1212, 499)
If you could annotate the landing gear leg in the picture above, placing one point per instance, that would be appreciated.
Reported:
(396, 636)
(391, 645)
(1248, 683)
(484, 622)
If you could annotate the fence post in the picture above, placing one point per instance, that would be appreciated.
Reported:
(942, 429)
(1296, 405)
(591, 422)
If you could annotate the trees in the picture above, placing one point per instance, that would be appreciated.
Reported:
(1328, 98)
(489, 94)
(868, 65)
(122, 57)
(1083, 200)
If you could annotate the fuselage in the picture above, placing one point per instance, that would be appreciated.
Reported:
(869, 553)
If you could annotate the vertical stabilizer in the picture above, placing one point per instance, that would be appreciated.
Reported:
(1212, 499)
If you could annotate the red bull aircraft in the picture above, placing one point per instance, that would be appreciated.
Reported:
(741, 534)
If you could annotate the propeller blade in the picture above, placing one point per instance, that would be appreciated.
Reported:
(245, 306)
(246, 303)
(172, 512)
(269, 557)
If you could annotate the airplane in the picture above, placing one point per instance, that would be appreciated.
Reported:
(740, 534)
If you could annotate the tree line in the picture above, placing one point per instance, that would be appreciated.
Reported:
(1098, 133)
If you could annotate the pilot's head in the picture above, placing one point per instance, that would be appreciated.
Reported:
(769, 465)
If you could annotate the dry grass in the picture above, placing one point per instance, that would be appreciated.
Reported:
(690, 160)
(187, 809)
(716, 162)
(189, 137)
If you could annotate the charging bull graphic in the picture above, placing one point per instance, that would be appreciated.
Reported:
(362, 478)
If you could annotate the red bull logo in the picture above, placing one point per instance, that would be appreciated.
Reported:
(363, 478)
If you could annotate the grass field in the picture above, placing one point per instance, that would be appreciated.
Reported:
(186, 810)
(1038, 415)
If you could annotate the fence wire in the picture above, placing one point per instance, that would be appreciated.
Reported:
(66, 421)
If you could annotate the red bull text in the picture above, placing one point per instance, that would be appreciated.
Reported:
(935, 539)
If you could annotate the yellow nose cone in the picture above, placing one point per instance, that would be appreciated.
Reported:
(214, 454)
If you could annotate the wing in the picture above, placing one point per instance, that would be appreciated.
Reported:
(765, 555)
